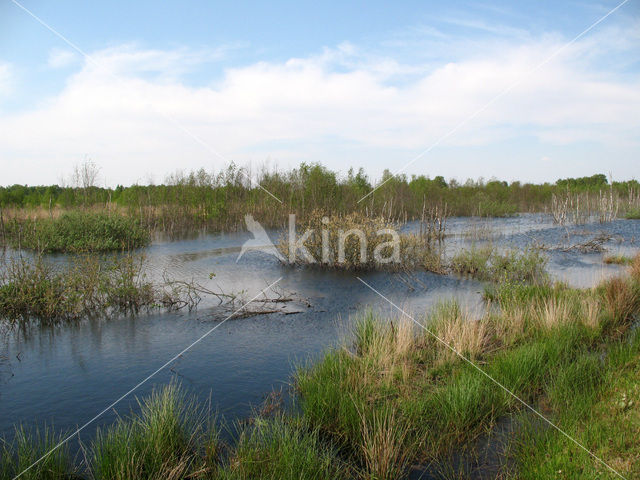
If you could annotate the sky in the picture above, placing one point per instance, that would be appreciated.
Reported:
(486, 89)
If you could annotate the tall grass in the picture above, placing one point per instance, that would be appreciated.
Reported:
(170, 436)
(486, 263)
(78, 232)
(162, 441)
(38, 290)
(284, 448)
(29, 446)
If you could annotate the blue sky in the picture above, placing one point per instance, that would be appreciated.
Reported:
(371, 84)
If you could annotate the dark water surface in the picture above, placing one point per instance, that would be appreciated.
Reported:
(66, 375)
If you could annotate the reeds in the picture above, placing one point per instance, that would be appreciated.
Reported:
(38, 290)
(486, 263)
(78, 232)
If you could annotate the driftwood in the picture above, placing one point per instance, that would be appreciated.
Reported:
(179, 294)
(593, 245)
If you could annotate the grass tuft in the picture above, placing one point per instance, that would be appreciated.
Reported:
(159, 442)
(27, 448)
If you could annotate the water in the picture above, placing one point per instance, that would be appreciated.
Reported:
(67, 374)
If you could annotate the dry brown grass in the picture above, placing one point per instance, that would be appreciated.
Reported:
(388, 347)
(552, 313)
(458, 329)
(384, 444)
(509, 326)
(590, 315)
(635, 267)
(622, 298)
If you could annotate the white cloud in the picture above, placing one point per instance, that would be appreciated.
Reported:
(59, 58)
(307, 109)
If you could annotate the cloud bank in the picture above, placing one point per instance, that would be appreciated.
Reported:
(135, 111)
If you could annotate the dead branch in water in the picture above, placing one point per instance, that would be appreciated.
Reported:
(178, 294)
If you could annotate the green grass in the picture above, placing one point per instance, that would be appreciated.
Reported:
(485, 263)
(171, 437)
(78, 232)
(29, 446)
(595, 402)
(283, 447)
(546, 345)
(164, 440)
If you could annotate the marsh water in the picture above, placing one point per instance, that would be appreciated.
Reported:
(67, 374)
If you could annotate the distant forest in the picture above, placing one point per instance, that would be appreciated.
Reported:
(222, 198)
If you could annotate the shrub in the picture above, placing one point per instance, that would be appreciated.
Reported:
(357, 242)
(633, 214)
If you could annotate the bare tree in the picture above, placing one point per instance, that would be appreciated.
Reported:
(85, 176)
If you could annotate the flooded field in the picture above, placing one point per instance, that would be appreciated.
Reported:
(65, 375)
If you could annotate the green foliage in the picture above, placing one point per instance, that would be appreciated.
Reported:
(598, 180)
(78, 232)
(219, 200)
